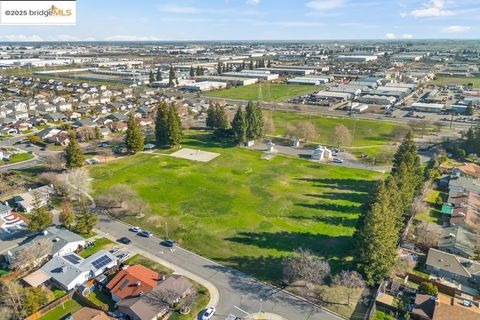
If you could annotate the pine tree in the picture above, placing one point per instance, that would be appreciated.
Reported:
(243, 66)
(172, 77)
(40, 217)
(67, 216)
(379, 235)
(161, 124)
(133, 136)
(251, 65)
(151, 77)
(219, 68)
(192, 72)
(269, 64)
(98, 133)
(86, 220)
(73, 153)
(217, 117)
(174, 126)
(159, 75)
(239, 126)
(255, 121)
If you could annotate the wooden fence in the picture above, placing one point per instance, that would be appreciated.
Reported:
(48, 307)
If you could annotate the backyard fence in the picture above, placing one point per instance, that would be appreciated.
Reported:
(48, 307)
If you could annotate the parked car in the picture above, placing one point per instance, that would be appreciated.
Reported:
(135, 229)
(123, 256)
(208, 314)
(337, 160)
(145, 233)
(113, 251)
(124, 240)
(168, 243)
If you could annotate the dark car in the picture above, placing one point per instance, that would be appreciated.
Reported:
(124, 240)
(145, 233)
(168, 243)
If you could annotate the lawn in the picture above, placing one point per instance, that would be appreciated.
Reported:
(139, 259)
(201, 301)
(243, 211)
(263, 92)
(19, 157)
(444, 80)
(368, 136)
(433, 213)
(100, 244)
(69, 307)
(99, 298)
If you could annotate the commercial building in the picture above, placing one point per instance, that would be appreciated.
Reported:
(377, 99)
(356, 58)
(233, 81)
(204, 86)
(428, 107)
(266, 76)
(337, 96)
(310, 80)
(284, 71)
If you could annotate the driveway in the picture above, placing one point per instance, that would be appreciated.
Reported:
(239, 294)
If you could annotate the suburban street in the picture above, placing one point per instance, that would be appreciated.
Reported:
(239, 294)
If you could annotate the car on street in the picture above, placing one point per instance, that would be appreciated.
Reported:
(124, 240)
(337, 160)
(135, 229)
(145, 233)
(208, 314)
(168, 243)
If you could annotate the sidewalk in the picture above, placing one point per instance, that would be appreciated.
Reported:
(214, 295)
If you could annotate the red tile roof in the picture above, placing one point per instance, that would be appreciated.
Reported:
(132, 281)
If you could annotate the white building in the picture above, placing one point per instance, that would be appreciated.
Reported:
(322, 154)
(428, 107)
(204, 86)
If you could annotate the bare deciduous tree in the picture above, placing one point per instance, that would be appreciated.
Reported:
(349, 282)
(305, 131)
(342, 136)
(162, 297)
(425, 236)
(117, 197)
(136, 206)
(55, 162)
(76, 182)
(30, 256)
(12, 297)
(305, 266)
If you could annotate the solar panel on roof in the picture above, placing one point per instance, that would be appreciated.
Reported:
(101, 262)
(124, 284)
(73, 258)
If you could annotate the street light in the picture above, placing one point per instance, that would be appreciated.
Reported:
(261, 305)
(166, 230)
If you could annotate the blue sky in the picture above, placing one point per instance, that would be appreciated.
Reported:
(260, 20)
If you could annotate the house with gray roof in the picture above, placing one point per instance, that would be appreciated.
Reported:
(453, 268)
(62, 241)
(71, 271)
(458, 240)
(462, 185)
(4, 209)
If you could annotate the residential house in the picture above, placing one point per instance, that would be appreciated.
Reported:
(5, 155)
(71, 271)
(118, 116)
(459, 241)
(62, 242)
(142, 308)
(5, 209)
(88, 122)
(46, 108)
(465, 210)
(454, 268)
(458, 307)
(26, 200)
(132, 282)
(463, 185)
(471, 170)
(87, 313)
(47, 133)
(117, 126)
(424, 307)
(55, 117)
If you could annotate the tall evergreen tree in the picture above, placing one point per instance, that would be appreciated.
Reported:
(255, 121)
(239, 126)
(133, 136)
(67, 216)
(174, 126)
(159, 75)
(172, 77)
(40, 217)
(192, 72)
(217, 117)
(251, 66)
(243, 67)
(269, 64)
(161, 124)
(73, 153)
(220, 68)
(151, 77)
(86, 220)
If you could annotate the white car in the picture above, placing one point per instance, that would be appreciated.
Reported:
(208, 314)
(135, 229)
(337, 160)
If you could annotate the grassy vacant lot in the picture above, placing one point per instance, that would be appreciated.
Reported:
(139, 259)
(263, 92)
(243, 211)
(19, 157)
(371, 137)
(442, 80)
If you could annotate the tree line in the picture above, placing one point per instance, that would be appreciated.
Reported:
(381, 227)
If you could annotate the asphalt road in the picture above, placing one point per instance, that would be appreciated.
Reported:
(240, 294)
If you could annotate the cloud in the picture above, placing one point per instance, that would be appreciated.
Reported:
(456, 29)
(123, 37)
(174, 8)
(322, 5)
(435, 8)
(390, 36)
(21, 38)
(63, 37)
(407, 36)
(253, 2)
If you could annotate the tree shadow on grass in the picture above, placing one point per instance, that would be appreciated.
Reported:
(365, 186)
(347, 196)
(331, 207)
(207, 141)
(331, 220)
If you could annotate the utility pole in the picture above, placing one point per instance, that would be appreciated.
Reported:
(166, 230)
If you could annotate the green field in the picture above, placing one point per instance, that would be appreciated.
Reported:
(19, 157)
(369, 136)
(69, 307)
(263, 92)
(443, 80)
(243, 211)
(100, 244)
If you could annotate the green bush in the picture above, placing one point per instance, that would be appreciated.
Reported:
(428, 288)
